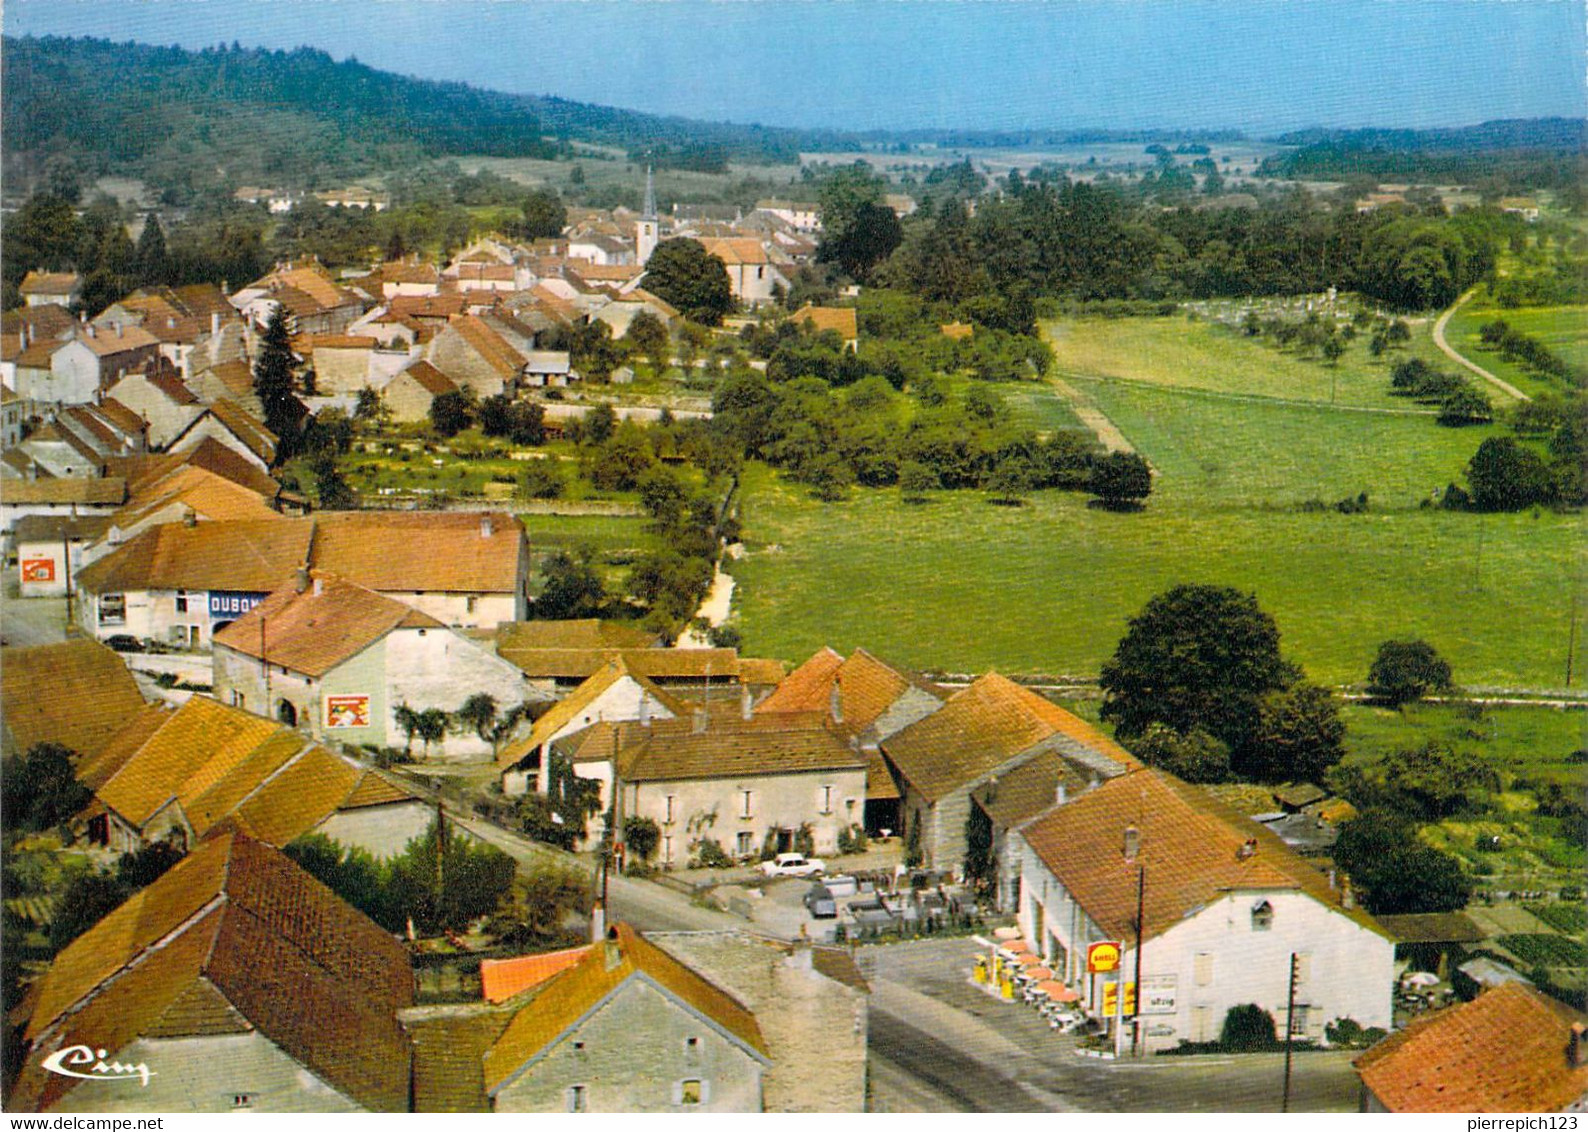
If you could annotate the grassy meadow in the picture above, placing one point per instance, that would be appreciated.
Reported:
(960, 584)
(1563, 329)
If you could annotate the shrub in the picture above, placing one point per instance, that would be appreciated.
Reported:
(709, 854)
(1405, 671)
(1248, 1027)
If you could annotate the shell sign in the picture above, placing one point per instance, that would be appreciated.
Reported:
(1102, 957)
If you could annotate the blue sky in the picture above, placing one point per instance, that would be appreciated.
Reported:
(1252, 64)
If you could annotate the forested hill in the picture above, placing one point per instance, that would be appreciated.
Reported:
(301, 117)
(1539, 152)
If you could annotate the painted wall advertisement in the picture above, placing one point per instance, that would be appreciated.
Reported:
(229, 605)
(1159, 994)
(38, 569)
(346, 711)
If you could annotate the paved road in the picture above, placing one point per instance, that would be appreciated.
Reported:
(646, 906)
(33, 621)
(1439, 340)
(939, 1043)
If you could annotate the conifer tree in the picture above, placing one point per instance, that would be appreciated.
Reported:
(273, 380)
(154, 263)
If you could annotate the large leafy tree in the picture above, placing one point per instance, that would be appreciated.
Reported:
(154, 263)
(1397, 872)
(1504, 476)
(573, 588)
(38, 790)
(1405, 671)
(1121, 480)
(1299, 736)
(682, 272)
(1196, 656)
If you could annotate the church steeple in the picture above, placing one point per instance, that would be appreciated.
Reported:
(648, 231)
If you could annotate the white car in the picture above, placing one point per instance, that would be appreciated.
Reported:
(793, 865)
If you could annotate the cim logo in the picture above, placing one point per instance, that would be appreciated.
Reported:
(1102, 957)
(86, 1064)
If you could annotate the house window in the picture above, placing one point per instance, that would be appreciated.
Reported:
(113, 609)
(578, 1050)
(691, 1050)
(746, 847)
(826, 800)
(470, 602)
(1298, 1019)
(1262, 916)
(667, 849)
(242, 1100)
(672, 801)
(746, 808)
(690, 1091)
(578, 1098)
(1201, 1023)
(181, 601)
(1203, 966)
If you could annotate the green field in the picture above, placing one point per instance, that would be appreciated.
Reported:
(1528, 741)
(1563, 329)
(1182, 353)
(961, 585)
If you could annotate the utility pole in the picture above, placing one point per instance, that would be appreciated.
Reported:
(66, 566)
(1290, 1015)
(1141, 908)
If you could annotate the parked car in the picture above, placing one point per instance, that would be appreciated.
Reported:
(819, 902)
(793, 865)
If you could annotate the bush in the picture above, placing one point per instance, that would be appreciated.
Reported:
(1348, 1033)
(1248, 1027)
(709, 854)
(1405, 671)
(540, 480)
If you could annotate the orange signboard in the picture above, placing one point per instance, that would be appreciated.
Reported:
(347, 711)
(1103, 957)
(38, 569)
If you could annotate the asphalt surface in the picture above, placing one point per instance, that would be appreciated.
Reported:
(939, 1043)
(34, 621)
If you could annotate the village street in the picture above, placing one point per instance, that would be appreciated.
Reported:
(939, 1043)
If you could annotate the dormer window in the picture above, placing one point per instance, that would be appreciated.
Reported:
(1262, 916)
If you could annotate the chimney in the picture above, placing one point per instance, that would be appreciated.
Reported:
(700, 721)
(1576, 1055)
(301, 580)
(1132, 842)
(1347, 897)
(215, 323)
(598, 922)
(118, 330)
(190, 518)
(1248, 850)
(835, 703)
(486, 526)
(744, 701)
(614, 953)
(1060, 794)
(645, 710)
(319, 587)
(93, 331)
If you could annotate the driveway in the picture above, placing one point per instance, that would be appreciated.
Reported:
(939, 1043)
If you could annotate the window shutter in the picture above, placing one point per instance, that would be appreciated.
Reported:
(1204, 968)
(678, 1092)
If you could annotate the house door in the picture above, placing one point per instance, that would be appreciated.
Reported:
(785, 841)
(286, 713)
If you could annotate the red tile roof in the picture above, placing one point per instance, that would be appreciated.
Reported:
(1505, 1051)
(501, 979)
(77, 693)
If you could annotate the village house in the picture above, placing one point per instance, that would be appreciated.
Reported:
(409, 395)
(747, 783)
(699, 673)
(840, 320)
(314, 303)
(166, 405)
(802, 216)
(227, 381)
(1227, 909)
(1511, 1049)
(241, 983)
(228, 423)
(982, 733)
(625, 1028)
(341, 363)
(13, 413)
(73, 497)
(354, 198)
(179, 582)
(751, 272)
(24, 327)
(76, 693)
(74, 371)
(185, 774)
(337, 660)
(474, 354)
(276, 201)
(871, 700)
(51, 288)
(50, 551)
(195, 321)
(613, 694)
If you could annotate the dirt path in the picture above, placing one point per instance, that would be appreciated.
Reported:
(1091, 416)
(1439, 340)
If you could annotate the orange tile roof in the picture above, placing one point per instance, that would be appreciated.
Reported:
(840, 319)
(105, 342)
(312, 632)
(488, 344)
(93, 771)
(144, 471)
(501, 979)
(251, 557)
(781, 743)
(807, 688)
(566, 998)
(429, 378)
(111, 490)
(243, 425)
(375, 789)
(567, 710)
(50, 283)
(982, 727)
(300, 797)
(77, 693)
(586, 633)
(656, 664)
(733, 250)
(234, 927)
(1191, 845)
(1505, 1051)
(432, 552)
(762, 670)
(201, 491)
